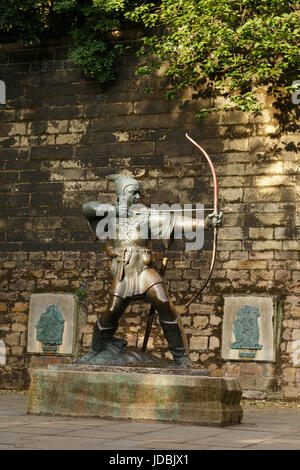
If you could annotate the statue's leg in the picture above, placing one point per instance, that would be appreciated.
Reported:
(105, 328)
(159, 298)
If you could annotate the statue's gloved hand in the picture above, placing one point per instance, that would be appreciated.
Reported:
(215, 219)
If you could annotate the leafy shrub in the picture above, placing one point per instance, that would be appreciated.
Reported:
(221, 47)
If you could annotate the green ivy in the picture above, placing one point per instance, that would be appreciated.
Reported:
(218, 48)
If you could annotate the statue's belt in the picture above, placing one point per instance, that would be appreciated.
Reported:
(126, 255)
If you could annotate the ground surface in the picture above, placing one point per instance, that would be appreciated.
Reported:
(265, 426)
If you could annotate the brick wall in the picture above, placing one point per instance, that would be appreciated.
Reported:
(61, 134)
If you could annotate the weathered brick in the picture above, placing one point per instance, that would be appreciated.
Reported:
(296, 334)
(251, 264)
(68, 139)
(57, 127)
(179, 286)
(7, 115)
(19, 327)
(108, 109)
(150, 107)
(21, 318)
(232, 194)
(266, 275)
(291, 391)
(20, 307)
(34, 175)
(200, 321)
(267, 193)
(261, 233)
(271, 180)
(282, 275)
(237, 144)
(59, 283)
(267, 245)
(268, 255)
(229, 245)
(290, 245)
(12, 339)
(199, 343)
(52, 152)
(214, 320)
(64, 112)
(295, 311)
(237, 274)
(232, 264)
(214, 342)
(17, 351)
(234, 117)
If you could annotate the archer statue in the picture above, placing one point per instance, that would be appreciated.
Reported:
(133, 270)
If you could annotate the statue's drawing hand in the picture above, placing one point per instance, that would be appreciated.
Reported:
(215, 219)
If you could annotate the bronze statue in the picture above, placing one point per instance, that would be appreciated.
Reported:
(134, 273)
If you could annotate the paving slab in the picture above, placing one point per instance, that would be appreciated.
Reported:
(270, 428)
(67, 443)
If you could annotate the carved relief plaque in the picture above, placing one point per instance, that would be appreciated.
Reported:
(52, 322)
(248, 328)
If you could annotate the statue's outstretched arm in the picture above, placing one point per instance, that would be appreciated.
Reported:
(192, 224)
(94, 211)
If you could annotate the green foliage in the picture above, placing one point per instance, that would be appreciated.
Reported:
(26, 19)
(93, 54)
(225, 47)
(81, 294)
(91, 20)
(221, 48)
(87, 21)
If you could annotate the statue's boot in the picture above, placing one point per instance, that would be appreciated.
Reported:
(101, 338)
(173, 336)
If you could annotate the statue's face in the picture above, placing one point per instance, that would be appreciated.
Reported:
(132, 194)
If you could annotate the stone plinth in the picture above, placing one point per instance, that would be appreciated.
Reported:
(142, 394)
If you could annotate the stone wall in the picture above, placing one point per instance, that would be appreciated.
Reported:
(61, 134)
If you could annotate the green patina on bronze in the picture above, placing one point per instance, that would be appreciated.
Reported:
(250, 355)
(246, 328)
(50, 328)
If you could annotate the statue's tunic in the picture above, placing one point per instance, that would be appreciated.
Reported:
(134, 272)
